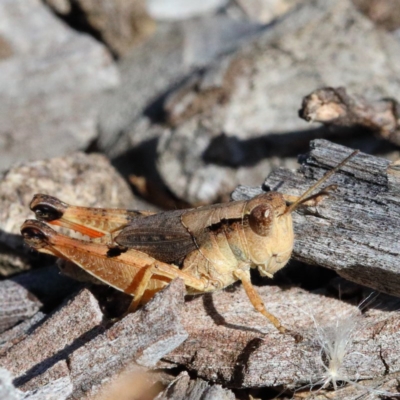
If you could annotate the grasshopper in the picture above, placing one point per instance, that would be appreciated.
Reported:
(209, 247)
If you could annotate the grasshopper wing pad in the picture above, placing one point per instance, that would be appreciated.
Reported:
(201, 218)
(161, 236)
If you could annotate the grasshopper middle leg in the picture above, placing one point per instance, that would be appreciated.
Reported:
(255, 299)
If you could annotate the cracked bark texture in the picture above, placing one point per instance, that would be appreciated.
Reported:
(355, 230)
(75, 352)
(230, 343)
(183, 388)
(16, 304)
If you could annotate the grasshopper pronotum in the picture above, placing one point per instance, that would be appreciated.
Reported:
(210, 247)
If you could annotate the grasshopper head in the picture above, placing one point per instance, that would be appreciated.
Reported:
(269, 233)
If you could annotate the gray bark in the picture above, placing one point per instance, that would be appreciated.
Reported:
(16, 304)
(143, 337)
(183, 388)
(73, 355)
(230, 343)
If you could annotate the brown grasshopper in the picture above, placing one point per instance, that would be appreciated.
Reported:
(210, 247)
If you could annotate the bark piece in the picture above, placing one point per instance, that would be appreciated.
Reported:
(230, 343)
(183, 388)
(57, 372)
(67, 329)
(143, 337)
(353, 231)
(334, 106)
(16, 304)
(19, 332)
(59, 389)
(48, 96)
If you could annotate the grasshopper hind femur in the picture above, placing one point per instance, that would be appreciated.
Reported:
(47, 208)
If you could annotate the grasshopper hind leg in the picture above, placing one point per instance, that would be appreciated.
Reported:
(90, 221)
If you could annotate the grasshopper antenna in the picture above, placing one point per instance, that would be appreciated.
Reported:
(304, 196)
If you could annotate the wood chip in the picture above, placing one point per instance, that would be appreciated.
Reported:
(143, 337)
(334, 106)
(16, 304)
(66, 329)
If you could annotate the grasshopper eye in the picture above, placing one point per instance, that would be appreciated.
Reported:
(260, 219)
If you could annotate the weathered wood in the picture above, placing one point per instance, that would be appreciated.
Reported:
(230, 343)
(183, 388)
(372, 389)
(142, 338)
(48, 284)
(72, 354)
(355, 231)
(55, 384)
(51, 341)
(17, 333)
(16, 304)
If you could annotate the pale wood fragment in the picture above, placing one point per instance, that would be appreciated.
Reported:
(7, 390)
